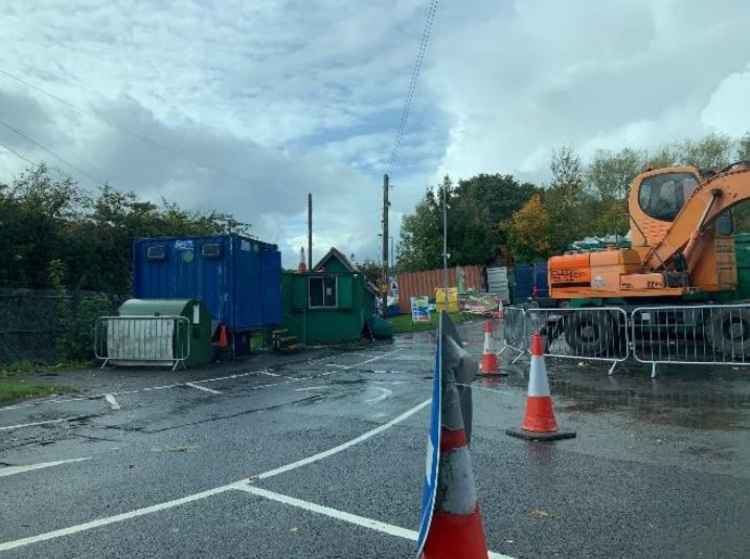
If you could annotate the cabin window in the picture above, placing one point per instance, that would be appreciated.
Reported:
(662, 196)
(211, 250)
(322, 292)
(156, 253)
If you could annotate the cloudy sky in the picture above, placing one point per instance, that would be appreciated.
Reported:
(246, 105)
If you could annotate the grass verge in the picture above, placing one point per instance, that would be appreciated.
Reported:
(13, 385)
(402, 323)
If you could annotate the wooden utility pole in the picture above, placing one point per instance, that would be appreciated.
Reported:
(309, 231)
(386, 204)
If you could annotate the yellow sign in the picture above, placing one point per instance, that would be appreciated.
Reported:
(452, 299)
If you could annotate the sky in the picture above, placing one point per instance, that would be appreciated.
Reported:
(245, 106)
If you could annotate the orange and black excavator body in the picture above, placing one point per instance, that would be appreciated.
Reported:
(681, 240)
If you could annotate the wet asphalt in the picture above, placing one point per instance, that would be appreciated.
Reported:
(659, 467)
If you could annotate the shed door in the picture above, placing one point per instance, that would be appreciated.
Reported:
(346, 286)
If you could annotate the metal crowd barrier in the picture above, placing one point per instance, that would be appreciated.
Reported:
(679, 334)
(142, 340)
(598, 334)
(691, 335)
(514, 333)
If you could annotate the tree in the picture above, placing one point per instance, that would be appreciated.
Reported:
(530, 230)
(710, 152)
(743, 150)
(479, 210)
(86, 239)
(610, 173)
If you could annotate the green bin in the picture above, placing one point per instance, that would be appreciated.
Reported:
(192, 333)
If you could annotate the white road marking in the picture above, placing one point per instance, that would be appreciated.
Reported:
(199, 387)
(355, 519)
(112, 402)
(310, 388)
(22, 425)
(336, 449)
(113, 519)
(376, 358)
(333, 513)
(384, 393)
(213, 379)
(13, 470)
(204, 494)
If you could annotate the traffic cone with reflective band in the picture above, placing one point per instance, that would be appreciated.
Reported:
(488, 365)
(539, 422)
(456, 530)
(223, 341)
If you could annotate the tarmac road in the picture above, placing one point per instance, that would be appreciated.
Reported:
(322, 455)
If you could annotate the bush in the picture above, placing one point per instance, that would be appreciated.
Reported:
(77, 319)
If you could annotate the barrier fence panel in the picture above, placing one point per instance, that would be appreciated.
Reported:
(599, 333)
(515, 335)
(142, 340)
(696, 334)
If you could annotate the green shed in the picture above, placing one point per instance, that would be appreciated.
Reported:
(333, 303)
(160, 332)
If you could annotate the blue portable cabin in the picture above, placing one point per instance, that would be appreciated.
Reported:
(237, 277)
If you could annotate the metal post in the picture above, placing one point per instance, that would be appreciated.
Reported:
(309, 231)
(386, 204)
(445, 245)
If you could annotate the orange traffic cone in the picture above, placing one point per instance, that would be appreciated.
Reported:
(539, 422)
(302, 267)
(456, 530)
(223, 341)
(488, 365)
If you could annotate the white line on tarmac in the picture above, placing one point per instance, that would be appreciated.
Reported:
(13, 470)
(384, 393)
(175, 385)
(269, 373)
(113, 519)
(336, 449)
(112, 402)
(22, 425)
(202, 495)
(310, 388)
(355, 519)
(376, 358)
(199, 387)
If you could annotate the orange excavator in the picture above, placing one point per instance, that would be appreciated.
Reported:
(681, 243)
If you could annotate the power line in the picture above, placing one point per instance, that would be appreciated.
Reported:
(51, 152)
(116, 125)
(21, 156)
(418, 62)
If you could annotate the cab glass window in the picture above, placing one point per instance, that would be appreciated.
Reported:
(662, 196)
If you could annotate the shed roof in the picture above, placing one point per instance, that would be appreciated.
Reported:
(338, 255)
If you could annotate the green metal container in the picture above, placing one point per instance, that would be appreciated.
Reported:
(193, 330)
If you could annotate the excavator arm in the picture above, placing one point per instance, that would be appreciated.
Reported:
(708, 201)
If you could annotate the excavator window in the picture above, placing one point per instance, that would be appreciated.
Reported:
(662, 196)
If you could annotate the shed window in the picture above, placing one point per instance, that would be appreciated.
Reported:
(156, 252)
(322, 292)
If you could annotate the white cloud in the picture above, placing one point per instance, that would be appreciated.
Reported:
(260, 102)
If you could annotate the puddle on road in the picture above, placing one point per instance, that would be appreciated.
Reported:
(692, 401)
